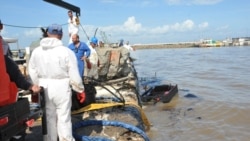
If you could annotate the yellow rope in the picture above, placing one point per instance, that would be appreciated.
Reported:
(96, 106)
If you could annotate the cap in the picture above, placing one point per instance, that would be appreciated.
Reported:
(55, 29)
(94, 40)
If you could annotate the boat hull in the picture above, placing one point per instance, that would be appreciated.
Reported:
(163, 93)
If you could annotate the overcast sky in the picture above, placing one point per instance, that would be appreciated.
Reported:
(138, 21)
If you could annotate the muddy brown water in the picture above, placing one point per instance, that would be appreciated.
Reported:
(219, 77)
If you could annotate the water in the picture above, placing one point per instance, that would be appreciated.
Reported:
(219, 77)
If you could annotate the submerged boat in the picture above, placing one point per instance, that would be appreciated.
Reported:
(163, 93)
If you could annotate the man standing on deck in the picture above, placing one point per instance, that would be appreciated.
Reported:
(54, 67)
(81, 51)
(73, 25)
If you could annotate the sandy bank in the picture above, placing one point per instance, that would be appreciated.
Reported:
(160, 46)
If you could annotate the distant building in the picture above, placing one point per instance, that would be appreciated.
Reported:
(241, 41)
(210, 43)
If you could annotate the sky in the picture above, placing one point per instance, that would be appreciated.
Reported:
(136, 21)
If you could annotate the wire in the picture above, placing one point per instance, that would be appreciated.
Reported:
(18, 26)
(84, 31)
(95, 81)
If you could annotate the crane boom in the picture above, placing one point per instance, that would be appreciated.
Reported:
(66, 5)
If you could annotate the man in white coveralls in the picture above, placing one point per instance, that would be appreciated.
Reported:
(54, 67)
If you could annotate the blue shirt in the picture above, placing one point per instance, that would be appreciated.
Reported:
(82, 50)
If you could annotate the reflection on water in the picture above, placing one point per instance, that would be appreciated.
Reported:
(219, 77)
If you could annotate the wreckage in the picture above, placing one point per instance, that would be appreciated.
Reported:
(115, 112)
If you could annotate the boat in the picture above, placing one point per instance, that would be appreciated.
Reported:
(160, 93)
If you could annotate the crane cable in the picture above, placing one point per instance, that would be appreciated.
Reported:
(18, 26)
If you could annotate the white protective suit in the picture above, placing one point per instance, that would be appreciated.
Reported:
(54, 67)
(73, 27)
(93, 58)
(127, 46)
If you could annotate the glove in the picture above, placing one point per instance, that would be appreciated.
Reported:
(88, 64)
(77, 21)
(81, 97)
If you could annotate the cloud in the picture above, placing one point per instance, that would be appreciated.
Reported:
(173, 2)
(186, 25)
(108, 1)
(179, 27)
(192, 2)
(33, 32)
(130, 29)
(160, 29)
(223, 27)
(205, 2)
(203, 25)
(134, 31)
(132, 25)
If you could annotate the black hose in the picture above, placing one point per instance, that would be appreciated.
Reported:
(43, 106)
(121, 98)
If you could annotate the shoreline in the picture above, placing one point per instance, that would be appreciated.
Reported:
(161, 46)
(180, 45)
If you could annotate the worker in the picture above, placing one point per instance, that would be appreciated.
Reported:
(54, 67)
(92, 71)
(120, 44)
(127, 46)
(73, 25)
(81, 51)
(14, 72)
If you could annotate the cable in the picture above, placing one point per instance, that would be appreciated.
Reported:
(84, 31)
(121, 98)
(18, 26)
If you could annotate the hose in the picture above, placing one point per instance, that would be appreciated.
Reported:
(107, 123)
(88, 138)
(96, 82)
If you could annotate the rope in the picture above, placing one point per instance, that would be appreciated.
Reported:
(107, 123)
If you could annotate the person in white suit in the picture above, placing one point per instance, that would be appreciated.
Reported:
(73, 25)
(54, 67)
